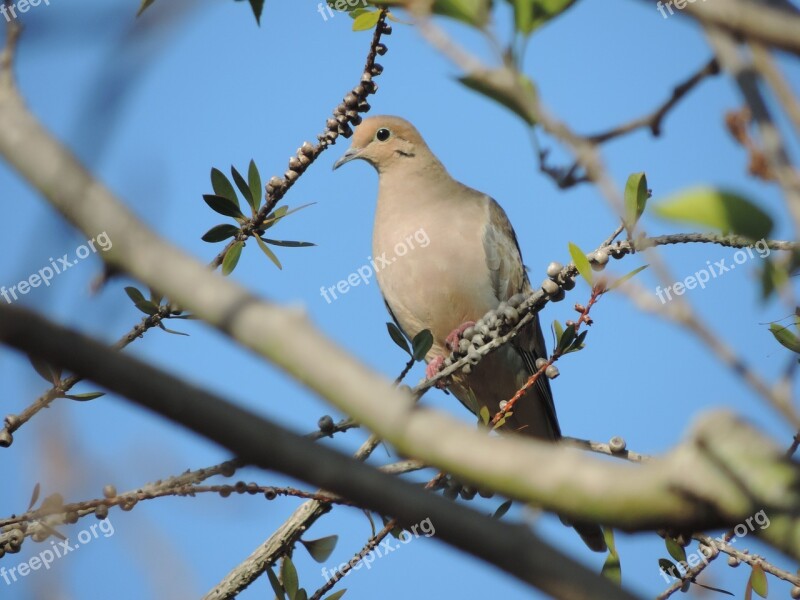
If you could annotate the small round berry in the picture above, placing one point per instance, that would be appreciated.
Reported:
(554, 268)
(550, 287)
(109, 491)
(101, 512)
(551, 372)
(733, 562)
(617, 444)
(325, 424)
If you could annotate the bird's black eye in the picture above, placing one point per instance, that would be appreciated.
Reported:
(383, 134)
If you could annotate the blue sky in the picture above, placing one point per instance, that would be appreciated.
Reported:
(152, 105)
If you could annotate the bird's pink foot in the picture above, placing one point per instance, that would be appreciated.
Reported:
(433, 369)
(451, 341)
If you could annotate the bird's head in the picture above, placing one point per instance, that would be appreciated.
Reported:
(384, 141)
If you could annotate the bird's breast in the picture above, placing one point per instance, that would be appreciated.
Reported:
(431, 268)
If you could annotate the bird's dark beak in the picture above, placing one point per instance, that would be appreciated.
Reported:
(351, 154)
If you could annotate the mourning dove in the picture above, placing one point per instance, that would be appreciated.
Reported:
(471, 264)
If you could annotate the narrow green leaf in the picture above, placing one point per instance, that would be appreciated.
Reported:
(568, 337)
(759, 581)
(270, 254)
(289, 577)
(85, 397)
(635, 197)
(581, 262)
(256, 191)
(172, 331)
(669, 568)
(321, 549)
(471, 12)
(421, 343)
(719, 209)
(276, 584)
(258, 8)
(785, 337)
(143, 6)
(502, 510)
(301, 595)
(558, 331)
(45, 370)
(612, 569)
(147, 307)
(219, 233)
(335, 595)
(675, 550)
(223, 206)
(366, 20)
(529, 15)
(222, 186)
(625, 278)
(135, 295)
(243, 186)
(232, 258)
(506, 86)
(484, 415)
(398, 337)
(289, 244)
(34, 495)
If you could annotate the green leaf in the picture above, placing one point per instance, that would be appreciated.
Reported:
(243, 186)
(223, 206)
(85, 397)
(758, 580)
(301, 595)
(281, 212)
(471, 12)
(612, 569)
(219, 233)
(34, 495)
(508, 87)
(222, 186)
(421, 343)
(144, 5)
(147, 307)
(625, 278)
(558, 331)
(546, 10)
(675, 550)
(270, 254)
(232, 258)
(669, 568)
(276, 584)
(398, 337)
(256, 191)
(258, 8)
(569, 336)
(289, 577)
(321, 549)
(366, 20)
(581, 262)
(502, 510)
(289, 244)
(135, 295)
(484, 415)
(335, 595)
(635, 197)
(719, 209)
(785, 337)
(45, 370)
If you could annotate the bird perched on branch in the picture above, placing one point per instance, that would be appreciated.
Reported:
(471, 265)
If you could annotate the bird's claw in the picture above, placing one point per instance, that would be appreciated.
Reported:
(451, 341)
(433, 369)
